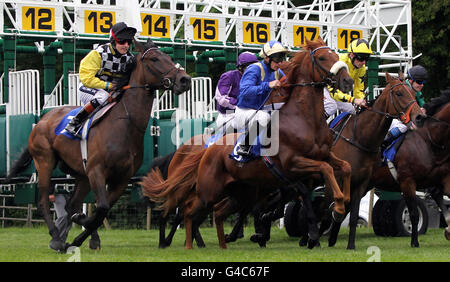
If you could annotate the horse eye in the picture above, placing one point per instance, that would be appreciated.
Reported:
(399, 93)
(322, 58)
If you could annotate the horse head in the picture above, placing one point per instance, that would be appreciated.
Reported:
(158, 70)
(402, 102)
(323, 66)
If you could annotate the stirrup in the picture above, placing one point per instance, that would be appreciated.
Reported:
(73, 129)
(244, 150)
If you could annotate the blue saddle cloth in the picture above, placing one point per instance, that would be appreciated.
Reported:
(255, 150)
(390, 152)
(60, 129)
(335, 122)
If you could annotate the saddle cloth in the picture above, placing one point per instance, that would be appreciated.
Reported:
(338, 120)
(255, 150)
(390, 151)
(60, 128)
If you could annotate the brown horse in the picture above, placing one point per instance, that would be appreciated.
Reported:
(174, 197)
(422, 161)
(360, 140)
(304, 146)
(115, 145)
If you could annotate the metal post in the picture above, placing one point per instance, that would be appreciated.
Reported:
(9, 63)
(68, 65)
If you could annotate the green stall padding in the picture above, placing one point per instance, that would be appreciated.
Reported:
(2, 146)
(190, 128)
(20, 127)
(149, 148)
(165, 143)
(26, 193)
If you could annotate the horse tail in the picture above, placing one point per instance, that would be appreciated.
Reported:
(21, 164)
(175, 189)
(163, 164)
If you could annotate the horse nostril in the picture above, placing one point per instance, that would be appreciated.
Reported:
(185, 81)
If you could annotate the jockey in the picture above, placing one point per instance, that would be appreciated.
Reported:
(101, 70)
(358, 53)
(256, 85)
(228, 90)
(416, 78)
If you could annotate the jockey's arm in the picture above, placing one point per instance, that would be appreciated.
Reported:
(251, 84)
(89, 67)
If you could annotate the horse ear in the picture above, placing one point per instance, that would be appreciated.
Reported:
(139, 46)
(389, 78)
(150, 43)
(401, 75)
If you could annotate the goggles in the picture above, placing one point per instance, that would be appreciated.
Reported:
(278, 58)
(362, 57)
(123, 41)
(421, 82)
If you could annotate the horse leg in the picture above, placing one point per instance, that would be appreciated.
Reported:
(446, 213)
(44, 169)
(408, 188)
(354, 215)
(238, 226)
(189, 212)
(221, 211)
(98, 185)
(305, 165)
(346, 173)
(196, 229)
(163, 241)
(313, 230)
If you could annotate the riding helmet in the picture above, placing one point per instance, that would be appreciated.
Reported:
(359, 46)
(246, 58)
(272, 47)
(418, 73)
(120, 31)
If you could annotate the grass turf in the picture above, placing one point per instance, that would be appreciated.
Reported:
(31, 245)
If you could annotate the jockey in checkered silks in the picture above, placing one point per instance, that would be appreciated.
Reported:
(101, 70)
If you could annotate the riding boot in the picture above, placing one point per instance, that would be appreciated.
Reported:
(75, 123)
(390, 137)
(251, 135)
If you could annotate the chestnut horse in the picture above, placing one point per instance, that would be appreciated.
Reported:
(115, 144)
(422, 161)
(304, 146)
(174, 197)
(359, 141)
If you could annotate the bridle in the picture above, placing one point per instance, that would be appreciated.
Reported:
(404, 117)
(168, 78)
(325, 75)
(404, 114)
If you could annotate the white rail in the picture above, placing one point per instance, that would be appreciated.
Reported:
(24, 92)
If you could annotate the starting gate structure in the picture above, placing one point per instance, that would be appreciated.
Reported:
(198, 32)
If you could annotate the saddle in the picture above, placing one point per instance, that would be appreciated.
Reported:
(94, 119)
(389, 154)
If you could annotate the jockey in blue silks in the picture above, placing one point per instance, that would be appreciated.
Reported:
(257, 82)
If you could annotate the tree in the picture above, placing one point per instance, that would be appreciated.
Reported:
(430, 37)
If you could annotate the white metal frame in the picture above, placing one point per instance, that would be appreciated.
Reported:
(24, 92)
(380, 20)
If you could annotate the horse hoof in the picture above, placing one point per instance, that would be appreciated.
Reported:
(415, 244)
(94, 245)
(447, 233)
(303, 242)
(313, 243)
(78, 217)
(229, 239)
(338, 217)
(57, 245)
